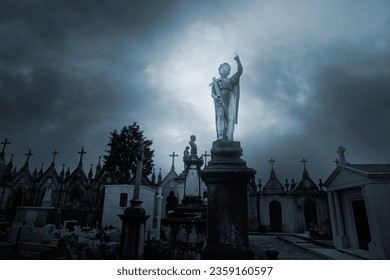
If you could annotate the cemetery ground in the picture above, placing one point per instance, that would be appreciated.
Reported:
(264, 246)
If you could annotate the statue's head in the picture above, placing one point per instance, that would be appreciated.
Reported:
(192, 137)
(224, 70)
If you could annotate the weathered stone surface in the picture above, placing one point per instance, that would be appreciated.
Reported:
(133, 232)
(227, 177)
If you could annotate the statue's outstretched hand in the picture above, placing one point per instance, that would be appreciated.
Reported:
(237, 58)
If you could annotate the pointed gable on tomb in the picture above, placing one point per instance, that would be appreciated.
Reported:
(273, 185)
(306, 185)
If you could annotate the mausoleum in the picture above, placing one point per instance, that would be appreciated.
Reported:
(359, 208)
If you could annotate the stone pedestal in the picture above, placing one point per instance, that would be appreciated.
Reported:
(192, 195)
(133, 231)
(227, 177)
(187, 224)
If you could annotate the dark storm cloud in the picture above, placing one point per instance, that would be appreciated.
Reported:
(73, 71)
(353, 102)
(60, 67)
(346, 103)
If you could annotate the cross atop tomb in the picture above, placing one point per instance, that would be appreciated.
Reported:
(5, 143)
(205, 155)
(82, 152)
(29, 154)
(341, 151)
(272, 161)
(304, 161)
(173, 155)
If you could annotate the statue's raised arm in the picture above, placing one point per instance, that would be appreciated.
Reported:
(239, 65)
(226, 94)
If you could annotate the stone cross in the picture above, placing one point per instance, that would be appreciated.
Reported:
(341, 151)
(304, 161)
(28, 155)
(272, 161)
(205, 155)
(173, 155)
(82, 152)
(5, 143)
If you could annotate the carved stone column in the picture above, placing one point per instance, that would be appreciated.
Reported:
(133, 232)
(341, 239)
(133, 220)
(227, 177)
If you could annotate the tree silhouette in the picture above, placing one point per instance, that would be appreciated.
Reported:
(121, 160)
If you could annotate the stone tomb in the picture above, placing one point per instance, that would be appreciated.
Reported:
(117, 199)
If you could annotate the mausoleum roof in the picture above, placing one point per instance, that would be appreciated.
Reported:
(273, 185)
(144, 181)
(365, 170)
(371, 168)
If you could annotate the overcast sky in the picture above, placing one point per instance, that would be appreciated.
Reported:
(316, 76)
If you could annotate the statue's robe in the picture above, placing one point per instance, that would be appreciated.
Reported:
(230, 93)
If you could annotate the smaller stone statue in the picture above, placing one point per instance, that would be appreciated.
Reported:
(194, 149)
(186, 153)
(191, 158)
(47, 200)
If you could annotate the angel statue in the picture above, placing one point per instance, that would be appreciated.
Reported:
(226, 94)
